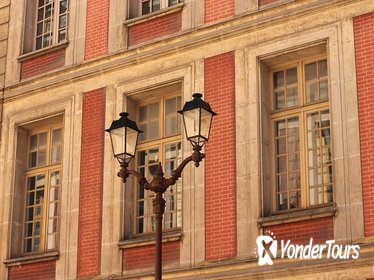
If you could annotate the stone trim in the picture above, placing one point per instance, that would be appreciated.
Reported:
(297, 216)
(154, 15)
(149, 239)
(34, 258)
(43, 51)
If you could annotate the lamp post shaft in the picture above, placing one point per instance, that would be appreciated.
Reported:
(159, 209)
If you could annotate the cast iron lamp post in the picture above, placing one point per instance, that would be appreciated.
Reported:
(197, 119)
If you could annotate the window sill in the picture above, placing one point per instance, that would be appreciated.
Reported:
(160, 13)
(298, 216)
(149, 239)
(35, 258)
(40, 52)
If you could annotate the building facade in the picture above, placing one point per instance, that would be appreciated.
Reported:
(289, 155)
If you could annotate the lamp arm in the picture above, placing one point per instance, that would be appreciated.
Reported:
(196, 157)
(124, 173)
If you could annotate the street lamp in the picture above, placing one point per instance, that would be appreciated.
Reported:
(197, 118)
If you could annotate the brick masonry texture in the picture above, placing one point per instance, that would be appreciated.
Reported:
(364, 46)
(220, 164)
(155, 28)
(320, 230)
(265, 2)
(97, 24)
(143, 257)
(91, 184)
(35, 271)
(216, 10)
(42, 63)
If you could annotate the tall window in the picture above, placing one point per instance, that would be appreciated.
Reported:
(159, 142)
(301, 153)
(42, 191)
(51, 22)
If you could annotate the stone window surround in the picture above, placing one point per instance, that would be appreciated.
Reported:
(347, 178)
(24, 118)
(192, 234)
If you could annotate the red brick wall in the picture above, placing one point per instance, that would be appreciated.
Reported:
(155, 28)
(97, 24)
(91, 184)
(215, 10)
(320, 230)
(35, 271)
(42, 63)
(220, 162)
(265, 2)
(364, 46)
(142, 257)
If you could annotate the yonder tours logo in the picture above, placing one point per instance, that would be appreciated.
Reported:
(267, 248)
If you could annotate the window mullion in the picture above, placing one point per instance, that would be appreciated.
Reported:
(304, 161)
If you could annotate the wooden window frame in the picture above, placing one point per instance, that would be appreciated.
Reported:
(163, 5)
(55, 19)
(46, 170)
(160, 143)
(301, 111)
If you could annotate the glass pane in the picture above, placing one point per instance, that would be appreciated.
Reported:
(326, 155)
(33, 142)
(292, 99)
(144, 128)
(41, 3)
(295, 199)
(279, 100)
(155, 5)
(62, 21)
(311, 92)
(32, 159)
(51, 242)
(40, 181)
(323, 90)
(38, 43)
(294, 180)
(280, 146)
(313, 121)
(282, 201)
(42, 157)
(154, 111)
(43, 139)
(37, 228)
(31, 183)
(293, 162)
(322, 68)
(280, 128)
(30, 211)
(278, 79)
(28, 229)
(293, 125)
(316, 195)
(39, 197)
(63, 7)
(39, 28)
(281, 164)
(171, 126)
(171, 106)
(30, 198)
(291, 76)
(314, 158)
(173, 2)
(171, 151)
(140, 208)
(153, 130)
(315, 177)
(327, 174)
(143, 113)
(28, 245)
(311, 71)
(281, 183)
(36, 245)
(53, 210)
(329, 193)
(293, 144)
(56, 151)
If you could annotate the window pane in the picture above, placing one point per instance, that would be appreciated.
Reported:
(279, 100)
(278, 79)
(63, 6)
(311, 71)
(311, 92)
(281, 183)
(291, 76)
(173, 2)
(282, 201)
(281, 164)
(322, 68)
(155, 5)
(292, 97)
(295, 199)
(323, 90)
(42, 157)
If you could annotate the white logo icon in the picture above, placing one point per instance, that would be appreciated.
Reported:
(266, 249)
